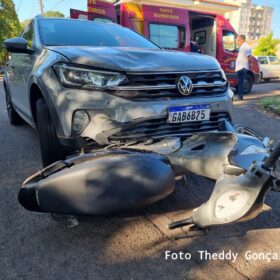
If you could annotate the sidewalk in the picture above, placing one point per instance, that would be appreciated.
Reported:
(248, 112)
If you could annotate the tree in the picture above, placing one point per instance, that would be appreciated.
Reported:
(267, 46)
(46, 14)
(9, 25)
(53, 14)
(25, 23)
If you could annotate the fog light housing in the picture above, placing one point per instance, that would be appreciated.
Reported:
(80, 121)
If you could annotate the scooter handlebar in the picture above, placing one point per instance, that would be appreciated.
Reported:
(271, 160)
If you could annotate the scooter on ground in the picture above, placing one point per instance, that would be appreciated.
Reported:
(124, 178)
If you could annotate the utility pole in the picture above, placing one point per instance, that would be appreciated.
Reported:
(266, 3)
(41, 6)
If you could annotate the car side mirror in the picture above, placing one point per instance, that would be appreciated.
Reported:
(17, 45)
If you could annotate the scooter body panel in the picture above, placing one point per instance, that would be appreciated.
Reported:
(233, 198)
(108, 185)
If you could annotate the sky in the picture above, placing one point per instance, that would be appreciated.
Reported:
(29, 8)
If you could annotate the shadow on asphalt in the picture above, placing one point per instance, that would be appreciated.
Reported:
(97, 235)
(276, 81)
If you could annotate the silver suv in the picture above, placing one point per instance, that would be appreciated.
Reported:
(85, 84)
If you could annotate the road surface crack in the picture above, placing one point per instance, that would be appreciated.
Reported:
(236, 269)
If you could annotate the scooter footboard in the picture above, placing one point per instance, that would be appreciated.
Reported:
(109, 184)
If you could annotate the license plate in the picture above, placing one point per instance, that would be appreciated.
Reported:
(190, 113)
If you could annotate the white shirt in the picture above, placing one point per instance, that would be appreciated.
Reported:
(242, 58)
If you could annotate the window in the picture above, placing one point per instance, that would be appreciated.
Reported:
(106, 20)
(182, 32)
(229, 41)
(28, 34)
(200, 37)
(263, 60)
(165, 36)
(81, 16)
(274, 60)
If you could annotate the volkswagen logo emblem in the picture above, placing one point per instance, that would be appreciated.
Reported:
(185, 85)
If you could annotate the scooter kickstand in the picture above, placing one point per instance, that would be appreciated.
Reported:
(193, 232)
(66, 220)
(181, 223)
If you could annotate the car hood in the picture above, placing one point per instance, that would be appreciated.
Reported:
(134, 59)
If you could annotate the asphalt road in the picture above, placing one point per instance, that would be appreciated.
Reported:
(33, 246)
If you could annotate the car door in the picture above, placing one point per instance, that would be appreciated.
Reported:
(274, 66)
(22, 66)
(226, 45)
(264, 64)
(265, 67)
(11, 75)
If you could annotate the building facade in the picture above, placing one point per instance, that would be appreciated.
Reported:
(252, 20)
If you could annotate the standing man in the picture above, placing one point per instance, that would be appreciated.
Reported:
(242, 64)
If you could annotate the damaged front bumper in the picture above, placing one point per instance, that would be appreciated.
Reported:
(109, 118)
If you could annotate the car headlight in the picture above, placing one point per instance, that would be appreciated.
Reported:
(71, 76)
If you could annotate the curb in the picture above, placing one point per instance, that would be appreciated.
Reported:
(273, 109)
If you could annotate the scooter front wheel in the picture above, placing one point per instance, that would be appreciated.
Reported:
(242, 129)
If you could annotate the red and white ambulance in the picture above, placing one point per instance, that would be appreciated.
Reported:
(177, 25)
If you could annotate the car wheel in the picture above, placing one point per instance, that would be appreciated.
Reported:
(13, 116)
(51, 149)
(262, 80)
(248, 84)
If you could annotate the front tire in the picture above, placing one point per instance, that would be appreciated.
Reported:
(51, 149)
(13, 116)
(248, 83)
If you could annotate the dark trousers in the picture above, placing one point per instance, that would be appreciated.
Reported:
(241, 77)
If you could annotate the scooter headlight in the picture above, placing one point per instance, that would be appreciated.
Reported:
(71, 76)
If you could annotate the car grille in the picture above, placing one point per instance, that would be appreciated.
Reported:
(158, 128)
(142, 86)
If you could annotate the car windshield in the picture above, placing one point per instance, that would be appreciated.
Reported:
(58, 32)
